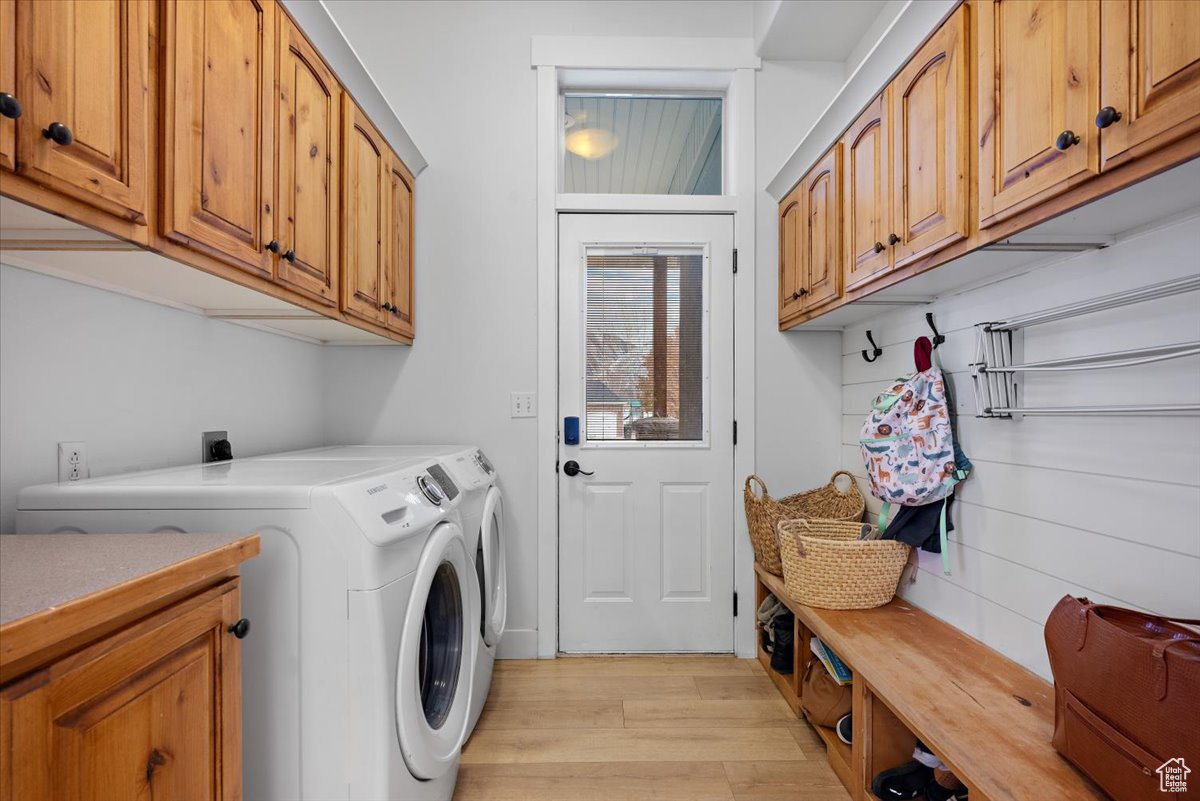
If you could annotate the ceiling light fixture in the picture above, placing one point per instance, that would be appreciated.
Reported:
(592, 143)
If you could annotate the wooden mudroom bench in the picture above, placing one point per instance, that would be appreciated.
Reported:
(989, 719)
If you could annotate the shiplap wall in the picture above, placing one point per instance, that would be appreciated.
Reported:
(1107, 507)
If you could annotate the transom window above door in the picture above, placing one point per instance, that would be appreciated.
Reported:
(641, 144)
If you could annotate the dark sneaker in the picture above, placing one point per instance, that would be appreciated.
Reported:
(907, 781)
(936, 792)
(784, 656)
(844, 729)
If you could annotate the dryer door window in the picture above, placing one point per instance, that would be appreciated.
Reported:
(440, 654)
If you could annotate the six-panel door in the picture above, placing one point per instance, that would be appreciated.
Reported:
(867, 215)
(399, 252)
(1039, 78)
(85, 92)
(218, 134)
(307, 169)
(930, 145)
(364, 204)
(152, 712)
(820, 238)
(791, 282)
(12, 107)
(1150, 57)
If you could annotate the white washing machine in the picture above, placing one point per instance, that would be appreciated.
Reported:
(482, 510)
(358, 669)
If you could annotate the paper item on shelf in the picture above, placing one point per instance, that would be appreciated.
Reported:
(832, 662)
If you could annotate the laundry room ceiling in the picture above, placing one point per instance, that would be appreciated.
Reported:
(642, 145)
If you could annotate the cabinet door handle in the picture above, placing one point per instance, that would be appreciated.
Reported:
(290, 257)
(60, 133)
(273, 246)
(799, 293)
(1107, 116)
(878, 247)
(1066, 139)
(893, 239)
(9, 106)
(240, 629)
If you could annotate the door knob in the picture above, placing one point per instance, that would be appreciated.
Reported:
(571, 468)
(878, 247)
(60, 133)
(290, 257)
(893, 239)
(240, 629)
(1107, 116)
(1066, 139)
(273, 246)
(9, 106)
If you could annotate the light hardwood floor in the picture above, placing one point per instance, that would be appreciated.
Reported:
(667, 728)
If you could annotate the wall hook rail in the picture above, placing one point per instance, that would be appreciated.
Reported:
(876, 351)
(937, 338)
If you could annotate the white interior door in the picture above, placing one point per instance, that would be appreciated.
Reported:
(646, 364)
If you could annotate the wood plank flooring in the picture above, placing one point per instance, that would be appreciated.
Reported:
(616, 728)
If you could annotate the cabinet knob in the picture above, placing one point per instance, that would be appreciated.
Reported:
(241, 628)
(878, 247)
(1066, 139)
(60, 133)
(799, 293)
(9, 106)
(290, 257)
(273, 246)
(893, 239)
(1107, 116)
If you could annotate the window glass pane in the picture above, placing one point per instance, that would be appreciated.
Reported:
(642, 145)
(645, 347)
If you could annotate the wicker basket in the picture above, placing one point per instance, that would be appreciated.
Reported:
(763, 513)
(827, 566)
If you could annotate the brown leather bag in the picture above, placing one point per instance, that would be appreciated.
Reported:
(823, 700)
(1127, 697)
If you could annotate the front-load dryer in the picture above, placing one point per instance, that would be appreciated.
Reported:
(482, 511)
(357, 674)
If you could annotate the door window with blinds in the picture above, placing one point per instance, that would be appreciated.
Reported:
(646, 332)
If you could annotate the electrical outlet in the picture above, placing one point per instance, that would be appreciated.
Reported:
(524, 404)
(72, 461)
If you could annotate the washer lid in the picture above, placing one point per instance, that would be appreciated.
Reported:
(236, 484)
(495, 575)
(436, 658)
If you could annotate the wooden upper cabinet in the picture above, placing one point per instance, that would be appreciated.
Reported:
(1039, 78)
(154, 711)
(820, 238)
(85, 92)
(1150, 61)
(399, 251)
(307, 166)
(218, 129)
(867, 200)
(790, 280)
(8, 85)
(365, 171)
(931, 145)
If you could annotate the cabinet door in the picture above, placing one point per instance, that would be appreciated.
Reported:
(8, 85)
(791, 300)
(867, 199)
(153, 711)
(218, 128)
(931, 145)
(306, 168)
(1039, 78)
(85, 89)
(399, 254)
(821, 237)
(1151, 75)
(364, 202)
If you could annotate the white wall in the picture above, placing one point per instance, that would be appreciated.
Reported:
(1105, 507)
(137, 382)
(798, 374)
(460, 74)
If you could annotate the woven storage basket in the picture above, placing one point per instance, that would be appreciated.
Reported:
(763, 513)
(827, 566)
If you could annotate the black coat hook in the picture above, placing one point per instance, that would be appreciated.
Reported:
(876, 351)
(937, 338)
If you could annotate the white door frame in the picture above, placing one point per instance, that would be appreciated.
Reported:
(726, 65)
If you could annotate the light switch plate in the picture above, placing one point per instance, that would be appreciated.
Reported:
(524, 404)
